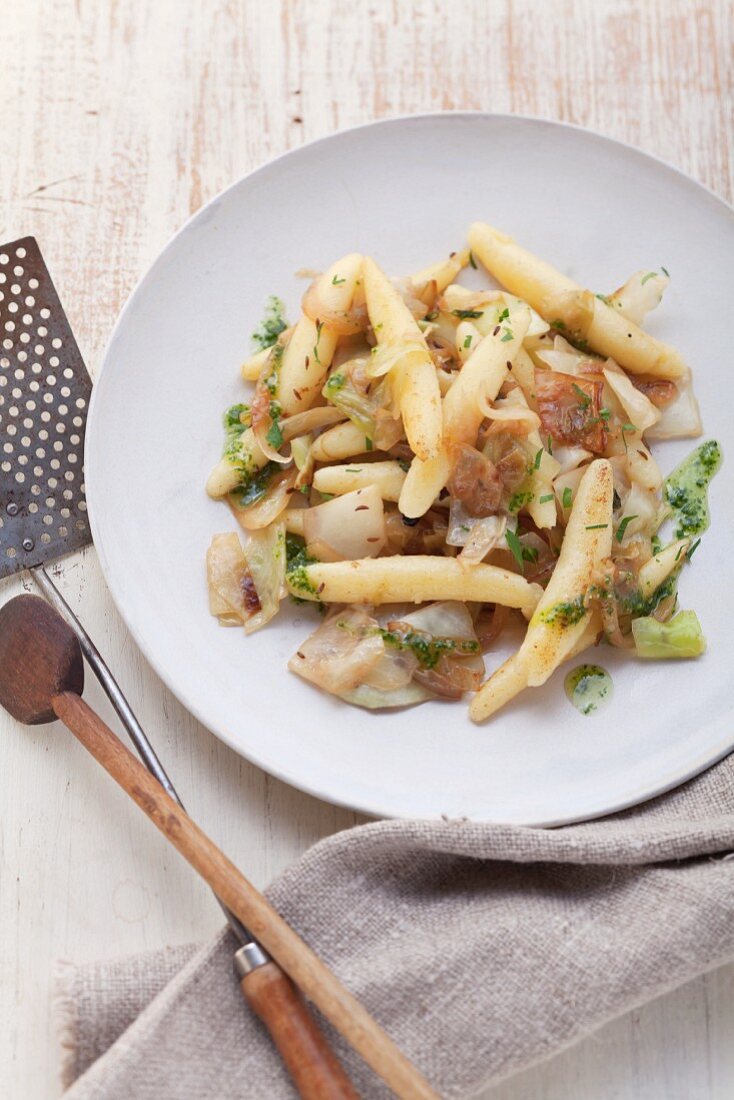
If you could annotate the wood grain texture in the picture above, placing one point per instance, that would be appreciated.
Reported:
(118, 118)
(310, 1061)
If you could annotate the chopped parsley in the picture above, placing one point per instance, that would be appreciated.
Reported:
(567, 497)
(519, 500)
(472, 261)
(507, 335)
(368, 445)
(665, 271)
(272, 324)
(503, 315)
(623, 525)
(315, 349)
(274, 435)
(537, 459)
(467, 314)
(584, 399)
(468, 340)
(545, 498)
(516, 547)
(646, 278)
(596, 526)
(336, 281)
(693, 549)
(529, 553)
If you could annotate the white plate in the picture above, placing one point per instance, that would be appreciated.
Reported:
(406, 190)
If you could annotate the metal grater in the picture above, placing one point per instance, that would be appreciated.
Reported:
(44, 396)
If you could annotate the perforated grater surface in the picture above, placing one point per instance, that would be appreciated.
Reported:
(44, 395)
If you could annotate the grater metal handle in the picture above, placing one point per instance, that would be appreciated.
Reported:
(111, 687)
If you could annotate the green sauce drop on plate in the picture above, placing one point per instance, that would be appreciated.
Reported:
(588, 687)
(686, 489)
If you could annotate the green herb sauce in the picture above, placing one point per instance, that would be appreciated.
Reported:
(275, 361)
(565, 614)
(272, 324)
(237, 416)
(686, 489)
(427, 649)
(587, 687)
(255, 485)
(333, 384)
(637, 606)
(297, 559)
(236, 420)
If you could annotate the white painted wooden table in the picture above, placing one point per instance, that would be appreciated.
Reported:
(119, 118)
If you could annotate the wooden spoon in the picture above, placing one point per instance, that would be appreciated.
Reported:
(41, 679)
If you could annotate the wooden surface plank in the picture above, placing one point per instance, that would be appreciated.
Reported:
(118, 119)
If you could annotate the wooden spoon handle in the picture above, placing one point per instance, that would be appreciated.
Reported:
(311, 1063)
(314, 979)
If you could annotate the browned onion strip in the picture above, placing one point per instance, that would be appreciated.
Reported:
(665, 608)
(261, 424)
(425, 292)
(450, 679)
(310, 421)
(658, 390)
(254, 517)
(612, 629)
(345, 322)
(474, 480)
(443, 352)
(477, 299)
(490, 625)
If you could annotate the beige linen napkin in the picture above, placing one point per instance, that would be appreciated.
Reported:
(480, 948)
